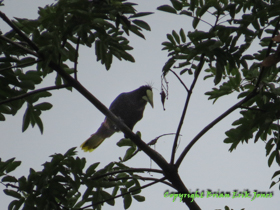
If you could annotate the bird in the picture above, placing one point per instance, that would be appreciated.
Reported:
(129, 107)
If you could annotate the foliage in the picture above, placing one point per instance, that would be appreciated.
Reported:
(50, 43)
(231, 62)
(57, 30)
(58, 185)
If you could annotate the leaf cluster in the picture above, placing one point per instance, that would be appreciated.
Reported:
(55, 36)
(58, 185)
(226, 44)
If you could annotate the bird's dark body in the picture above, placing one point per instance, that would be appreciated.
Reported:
(129, 107)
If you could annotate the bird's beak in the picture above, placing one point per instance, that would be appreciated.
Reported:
(149, 97)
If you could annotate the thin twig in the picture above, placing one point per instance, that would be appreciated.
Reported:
(19, 45)
(198, 70)
(33, 92)
(21, 65)
(180, 80)
(209, 126)
(141, 178)
(18, 31)
(252, 109)
(152, 142)
(128, 170)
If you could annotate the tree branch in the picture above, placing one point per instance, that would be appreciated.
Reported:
(230, 110)
(201, 62)
(33, 92)
(21, 65)
(18, 45)
(141, 178)
(128, 170)
(204, 130)
(180, 80)
(18, 31)
(169, 171)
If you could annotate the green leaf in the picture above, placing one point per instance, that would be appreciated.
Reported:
(170, 37)
(71, 152)
(135, 190)
(2, 117)
(125, 142)
(43, 106)
(79, 204)
(9, 179)
(195, 22)
(36, 96)
(129, 153)
(91, 169)
(183, 36)
(5, 109)
(204, 8)
(115, 190)
(130, 183)
(12, 193)
(136, 31)
(26, 119)
(271, 157)
(127, 201)
(15, 204)
(109, 59)
(168, 65)
(106, 196)
(141, 14)
(176, 4)
(142, 24)
(272, 184)
(176, 36)
(58, 80)
(39, 122)
(275, 174)
(167, 8)
(269, 145)
(139, 198)
(127, 57)
(188, 13)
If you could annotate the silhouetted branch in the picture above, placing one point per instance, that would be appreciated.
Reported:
(33, 92)
(180, 80)
(226, 113)
(18, 31)
(21, 65)
(141, 178)
(127, 170)
(19, 45)
(170, 172)
(196, 74)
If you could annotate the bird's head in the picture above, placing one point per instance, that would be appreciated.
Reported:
(148, 94)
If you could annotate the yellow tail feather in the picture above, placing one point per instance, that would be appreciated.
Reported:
(92, 143)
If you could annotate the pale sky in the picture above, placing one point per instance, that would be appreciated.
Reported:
(209, 164)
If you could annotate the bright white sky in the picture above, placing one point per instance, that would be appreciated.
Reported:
(73, 119)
